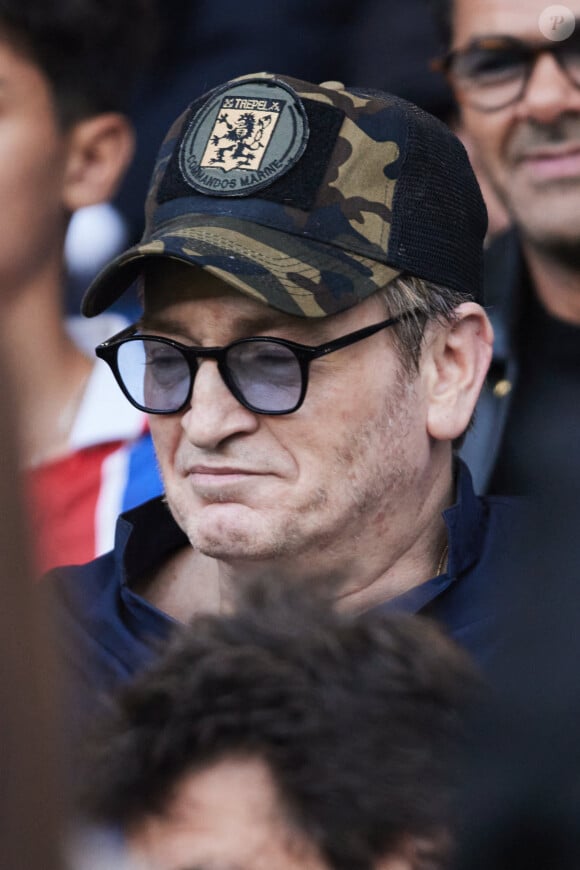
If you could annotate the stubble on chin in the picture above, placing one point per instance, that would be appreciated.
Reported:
(258, 535)
(559, 241)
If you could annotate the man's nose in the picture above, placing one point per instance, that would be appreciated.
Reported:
(214, 414)
(549, 92)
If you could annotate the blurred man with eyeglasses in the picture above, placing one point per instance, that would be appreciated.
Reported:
(311, 350)
(515, 68)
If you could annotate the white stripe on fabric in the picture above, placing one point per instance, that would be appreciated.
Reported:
(104, 413)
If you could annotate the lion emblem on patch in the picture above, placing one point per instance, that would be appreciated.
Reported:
(239, 138)
(243, 138)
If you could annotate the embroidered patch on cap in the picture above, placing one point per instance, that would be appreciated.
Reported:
(244, 138)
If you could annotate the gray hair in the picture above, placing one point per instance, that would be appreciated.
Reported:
(426, 302)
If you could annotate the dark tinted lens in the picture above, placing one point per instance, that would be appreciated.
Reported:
(568, 52)
(267, 374)
(492, 74)
(485, 67)
(155, 374)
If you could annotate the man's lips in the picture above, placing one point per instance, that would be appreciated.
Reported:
(556, 162)
(223, 483)
(220, 471)
(209, 478)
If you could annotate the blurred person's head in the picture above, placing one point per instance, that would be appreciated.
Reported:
(287, 735)
(515, 70)
(32, 802)
(91, 52)
(67, 70)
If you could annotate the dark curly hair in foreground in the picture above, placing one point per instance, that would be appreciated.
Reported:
(357, 718)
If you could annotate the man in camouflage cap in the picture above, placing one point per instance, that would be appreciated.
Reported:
(312, 346)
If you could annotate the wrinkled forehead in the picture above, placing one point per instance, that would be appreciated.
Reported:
(519, 18)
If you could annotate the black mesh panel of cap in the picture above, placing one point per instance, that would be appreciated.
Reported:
(439, 219)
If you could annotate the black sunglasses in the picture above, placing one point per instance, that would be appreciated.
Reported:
(492, 72)
(266, 375)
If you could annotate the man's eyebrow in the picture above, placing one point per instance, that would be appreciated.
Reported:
(159, 323)
(242, 325)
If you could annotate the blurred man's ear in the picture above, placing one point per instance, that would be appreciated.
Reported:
(455, 362)
(100, 151)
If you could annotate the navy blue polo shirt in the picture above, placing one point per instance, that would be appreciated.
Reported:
(108, 632)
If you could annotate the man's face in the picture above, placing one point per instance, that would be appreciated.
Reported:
(244, 486)
(226, 817)
(531, 148)
(33, 156)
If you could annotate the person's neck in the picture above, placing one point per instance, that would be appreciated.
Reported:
(360, 572)
(556, 282)
(386, 566)
(48, 370)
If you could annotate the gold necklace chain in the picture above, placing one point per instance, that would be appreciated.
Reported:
(442, 559)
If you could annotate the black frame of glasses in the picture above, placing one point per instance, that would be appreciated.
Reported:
(304, 353)
(528, 50)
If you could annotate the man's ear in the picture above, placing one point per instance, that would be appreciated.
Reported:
(456, 361)
(100, 151)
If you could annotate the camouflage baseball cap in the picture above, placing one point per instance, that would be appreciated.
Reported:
(308, 197)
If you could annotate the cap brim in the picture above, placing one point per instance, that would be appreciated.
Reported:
(291, 273)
